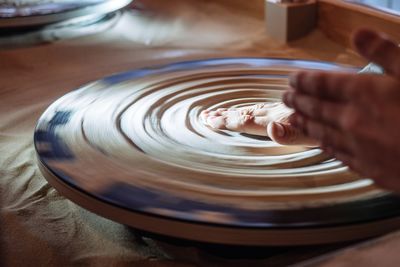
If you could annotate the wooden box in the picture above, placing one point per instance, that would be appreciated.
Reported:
(289, 21)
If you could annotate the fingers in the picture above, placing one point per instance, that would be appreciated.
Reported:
(334, 86)
(335, 117)
(327, 136)
(315, 108)
(345, 87)
(379, 49)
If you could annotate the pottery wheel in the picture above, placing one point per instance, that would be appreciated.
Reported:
(36, 13)
(132, 147)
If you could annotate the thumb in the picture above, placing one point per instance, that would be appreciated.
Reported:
(378, 48)
(286, 134)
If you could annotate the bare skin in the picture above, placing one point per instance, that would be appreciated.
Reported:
(267, 119)
(356, 118)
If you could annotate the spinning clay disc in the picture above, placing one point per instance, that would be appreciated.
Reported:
(132, 147)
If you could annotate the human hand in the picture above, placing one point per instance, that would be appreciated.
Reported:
(356, 118)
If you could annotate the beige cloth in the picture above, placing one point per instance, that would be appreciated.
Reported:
(39, 227)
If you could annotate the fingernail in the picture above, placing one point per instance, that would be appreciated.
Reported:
(280, 130)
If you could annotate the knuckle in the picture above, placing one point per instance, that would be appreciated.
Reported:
(330, 113)
(336, 82)
(317, 84)
(351, 120)
(307, 106)
(303, 123)
(315, 108)
(322, 85)
(310, 81)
